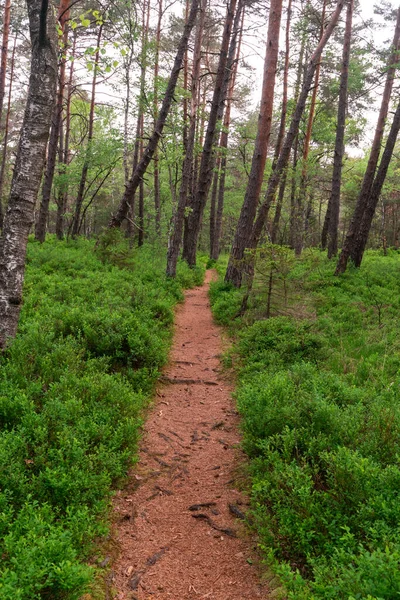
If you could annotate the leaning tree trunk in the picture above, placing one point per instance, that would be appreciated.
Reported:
(253, 190)
(331, 222)
(29, 164)
(350, 241)
(365, 225)
(193, 222)
(122, 211)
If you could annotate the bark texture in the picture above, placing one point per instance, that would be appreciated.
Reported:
(122, 211)
(29, 164)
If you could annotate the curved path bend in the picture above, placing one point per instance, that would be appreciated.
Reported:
(179, 532)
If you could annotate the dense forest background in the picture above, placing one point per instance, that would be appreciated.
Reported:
(141, 141)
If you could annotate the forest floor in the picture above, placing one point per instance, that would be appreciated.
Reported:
(178, 522)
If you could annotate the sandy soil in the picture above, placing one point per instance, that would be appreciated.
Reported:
(177, 535)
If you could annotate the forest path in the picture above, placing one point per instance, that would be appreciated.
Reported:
(189, 456)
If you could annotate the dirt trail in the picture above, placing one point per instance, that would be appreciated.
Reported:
(170, 548)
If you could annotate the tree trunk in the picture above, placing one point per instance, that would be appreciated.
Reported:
(63, 195)
(373, 198)
(175, 238)
(193, 222)
(157, 201)
(253, 190)
(331, 223)
(300, 199)
(29, 164)
(350, 241)
(117, 219)
(86, 164)
(6, 128)
(282, 125)
(217, 228)
(4, 53)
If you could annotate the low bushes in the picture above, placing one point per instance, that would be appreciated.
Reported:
(319, 400)
(94, 332)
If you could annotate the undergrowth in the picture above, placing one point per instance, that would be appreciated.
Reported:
(95, 330)
(319, 396)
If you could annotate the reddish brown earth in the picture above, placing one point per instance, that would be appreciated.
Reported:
(189, 456)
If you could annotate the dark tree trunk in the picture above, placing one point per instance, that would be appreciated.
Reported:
(300, 199)
(282, 125)
(29, 164)
(253, 190)
(331, 222)
(85, 168)
(157, 201)
(122, 211)
(63, 194)
(217, 226)
(194, 220)
(40, 230)
(350, 241)
(175, 238)
(373, 198)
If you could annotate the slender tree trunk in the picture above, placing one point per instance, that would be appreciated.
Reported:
(86, 164)
(300, 199)
(283, 159)
(282, 125)
(117, 219)
(249, 208)
(193, 222)
(217, 229)
(6, 128)
(40, 230)
(63, 195)
(29, 164)
(175, 238)
(349, 245)
(4, 53)
(157, 201)
(331, 222)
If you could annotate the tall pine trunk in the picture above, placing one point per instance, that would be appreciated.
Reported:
(216, 226)
(248, 212)
(29, 164)
(331, 223)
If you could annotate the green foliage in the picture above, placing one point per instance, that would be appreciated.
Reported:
(92, 338)
(319, 399)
